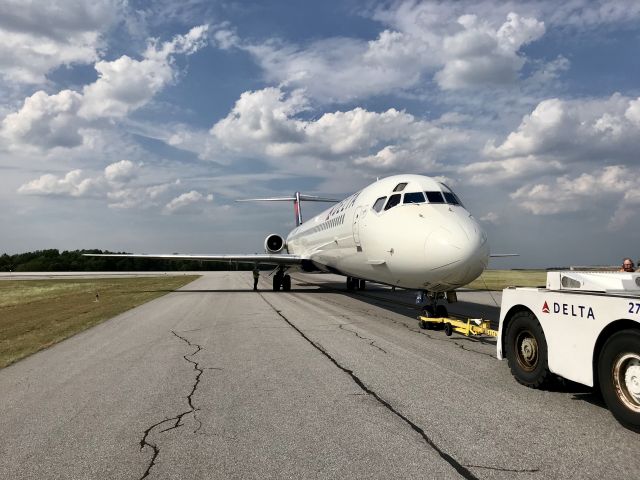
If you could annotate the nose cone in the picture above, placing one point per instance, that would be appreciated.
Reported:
(457, 251)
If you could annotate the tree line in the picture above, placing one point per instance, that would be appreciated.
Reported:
(72, 261)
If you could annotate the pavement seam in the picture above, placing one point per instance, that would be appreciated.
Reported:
(461, 469)
(178, 418)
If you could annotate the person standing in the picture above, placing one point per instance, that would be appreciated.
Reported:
(256, 277)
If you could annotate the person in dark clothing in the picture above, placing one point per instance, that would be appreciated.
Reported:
(256, 276)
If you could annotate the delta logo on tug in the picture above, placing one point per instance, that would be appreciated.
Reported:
(568, 309)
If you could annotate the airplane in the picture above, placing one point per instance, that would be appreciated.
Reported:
(406, 231)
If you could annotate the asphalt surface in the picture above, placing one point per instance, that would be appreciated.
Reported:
(217, 381)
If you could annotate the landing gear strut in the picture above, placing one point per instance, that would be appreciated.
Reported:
(281, 280)
(356, 283)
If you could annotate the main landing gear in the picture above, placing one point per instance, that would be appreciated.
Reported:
(356, 283)
(281, 280)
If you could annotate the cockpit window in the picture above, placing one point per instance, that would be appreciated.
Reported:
(413, 197)
(450, 198)
(400, 187)
(434, 197)
(393, 201)
(379, 203)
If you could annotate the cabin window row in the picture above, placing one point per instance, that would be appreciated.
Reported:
(334, 222)
(415, 197)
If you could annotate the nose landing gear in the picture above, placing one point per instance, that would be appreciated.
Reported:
(431, 309)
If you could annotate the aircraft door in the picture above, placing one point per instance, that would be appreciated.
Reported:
(356, 225)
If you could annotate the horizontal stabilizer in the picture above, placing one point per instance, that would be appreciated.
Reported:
(296, 198)
(305, 198)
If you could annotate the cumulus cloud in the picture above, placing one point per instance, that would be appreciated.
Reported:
(190, 202)
(491, 217)
(265, 122)
(37, 37)
(73, 184)
(122, 171)
(571, 194)
(123, 85)
(479, 54)
(559, 133)
(463, 51)
(115, 184)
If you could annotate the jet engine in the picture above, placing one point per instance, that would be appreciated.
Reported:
(274, 243)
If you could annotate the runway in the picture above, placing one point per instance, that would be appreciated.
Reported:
(217, 381)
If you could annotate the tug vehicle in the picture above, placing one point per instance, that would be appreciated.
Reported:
(582, 326)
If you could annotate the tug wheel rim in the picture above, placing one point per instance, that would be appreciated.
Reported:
(526, 348)
(626, 380)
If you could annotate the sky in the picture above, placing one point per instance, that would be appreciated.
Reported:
(135, 125)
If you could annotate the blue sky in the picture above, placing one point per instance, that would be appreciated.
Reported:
(134, 125)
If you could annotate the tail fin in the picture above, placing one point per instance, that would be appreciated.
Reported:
(296, 199)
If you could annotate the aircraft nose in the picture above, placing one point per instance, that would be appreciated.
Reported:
(460, 247)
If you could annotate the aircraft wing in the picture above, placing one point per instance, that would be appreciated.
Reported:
(264, 259)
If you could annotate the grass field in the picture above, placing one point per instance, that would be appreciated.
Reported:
(35, 314)
(499, 279)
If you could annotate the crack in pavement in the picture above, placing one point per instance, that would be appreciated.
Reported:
(372, 343)
(461, 469)
(500, 469)
(177, 420)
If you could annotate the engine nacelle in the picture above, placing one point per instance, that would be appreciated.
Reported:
(274, 243)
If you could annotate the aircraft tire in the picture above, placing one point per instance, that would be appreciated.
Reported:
(442, 312)
(619, 377)
(277, 283)
(426, 312)
(286, 283)
(350, 283)
(362, 284)
(526, 350)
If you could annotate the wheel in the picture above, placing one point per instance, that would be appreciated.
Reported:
(362, 284)
(526, 350)
(619, 377)
(286, 283)
(349, 283)
(448, 329)
(441, 311)
(426, 312)
(277, 283)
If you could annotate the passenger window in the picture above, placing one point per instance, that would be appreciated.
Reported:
(393, 201)
(434, 197)
(379, 203)
(400, 187)
(413, 197)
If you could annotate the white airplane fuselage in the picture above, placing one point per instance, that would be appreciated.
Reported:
(430, 245)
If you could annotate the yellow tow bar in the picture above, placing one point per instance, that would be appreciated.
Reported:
(469, 327)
